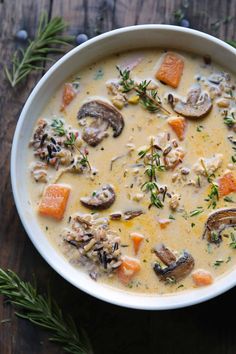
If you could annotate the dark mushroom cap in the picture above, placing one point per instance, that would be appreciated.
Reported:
(175, 269)
(197, 105)
(100, 199)
(104, 113)
(218, 221)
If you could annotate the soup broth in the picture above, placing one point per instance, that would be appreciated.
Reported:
(127, 162)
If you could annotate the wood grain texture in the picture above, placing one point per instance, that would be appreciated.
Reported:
(204, 328)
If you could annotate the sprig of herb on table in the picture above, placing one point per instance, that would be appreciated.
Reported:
(148, 98)
(43, 311)
(232, 42)
(32, 58)
(153, 165)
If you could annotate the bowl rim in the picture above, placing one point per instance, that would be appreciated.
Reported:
(116, 300)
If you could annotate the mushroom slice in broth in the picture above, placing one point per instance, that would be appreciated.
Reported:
(176, 269)
(197, 104)
(105, 113)
(100, 199)
(217, 222)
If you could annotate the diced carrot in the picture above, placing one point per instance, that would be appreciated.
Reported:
(178, 124)
(227, 184)
(68, 95)
(202, 277)
(54, 201)
(164, 223)
(137, 239)
(128, 269)
(171, 70)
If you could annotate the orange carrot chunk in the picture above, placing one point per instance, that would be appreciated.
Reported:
(128, 269)
(171, 70)
(54, 201)
(67, 95)
(137, 240)
(178, 124)
(164, 223)
(202, 277)
(227, 184)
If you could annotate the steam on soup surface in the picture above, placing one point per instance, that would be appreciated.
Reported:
(134, 159)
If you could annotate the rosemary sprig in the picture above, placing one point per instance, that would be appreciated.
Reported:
(44, 312)
(148, 98)
(24, 61)
(232, 42)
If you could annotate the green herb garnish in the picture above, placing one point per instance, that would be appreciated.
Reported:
(233, 241)
(71, 139)
(218, 262)
(171, 217)
(228, 200)
(213, 196)
(200, 128)
(154, 190)
(197, 211)
(58, 126)
(148, 98)
(229, 120)
(32, 58)
(43, 311)
(99, 74)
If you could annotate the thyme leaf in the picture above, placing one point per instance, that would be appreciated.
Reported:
(213, 196)
(58, 127)
(43, 311)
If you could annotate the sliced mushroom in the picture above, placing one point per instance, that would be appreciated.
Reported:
(131, 214)
(197, 104)
(176, 269)
(100, 199)
(165, 255)
(106, 115)
(217, 222)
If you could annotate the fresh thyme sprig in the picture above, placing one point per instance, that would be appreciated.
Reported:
(148, 98)
(43, 311)
(153, 166)
(84, 162)
(48, 36)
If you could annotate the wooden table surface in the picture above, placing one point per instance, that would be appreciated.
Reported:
(205, 328)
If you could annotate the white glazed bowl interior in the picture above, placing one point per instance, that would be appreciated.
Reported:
(163, 36)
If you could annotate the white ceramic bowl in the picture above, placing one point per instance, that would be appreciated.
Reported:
(163, 36)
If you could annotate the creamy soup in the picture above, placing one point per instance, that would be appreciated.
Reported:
(132, 171)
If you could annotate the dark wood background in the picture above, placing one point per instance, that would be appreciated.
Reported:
(205, 328)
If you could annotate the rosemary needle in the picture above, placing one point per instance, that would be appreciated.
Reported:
(48, 36)
(44, 312)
